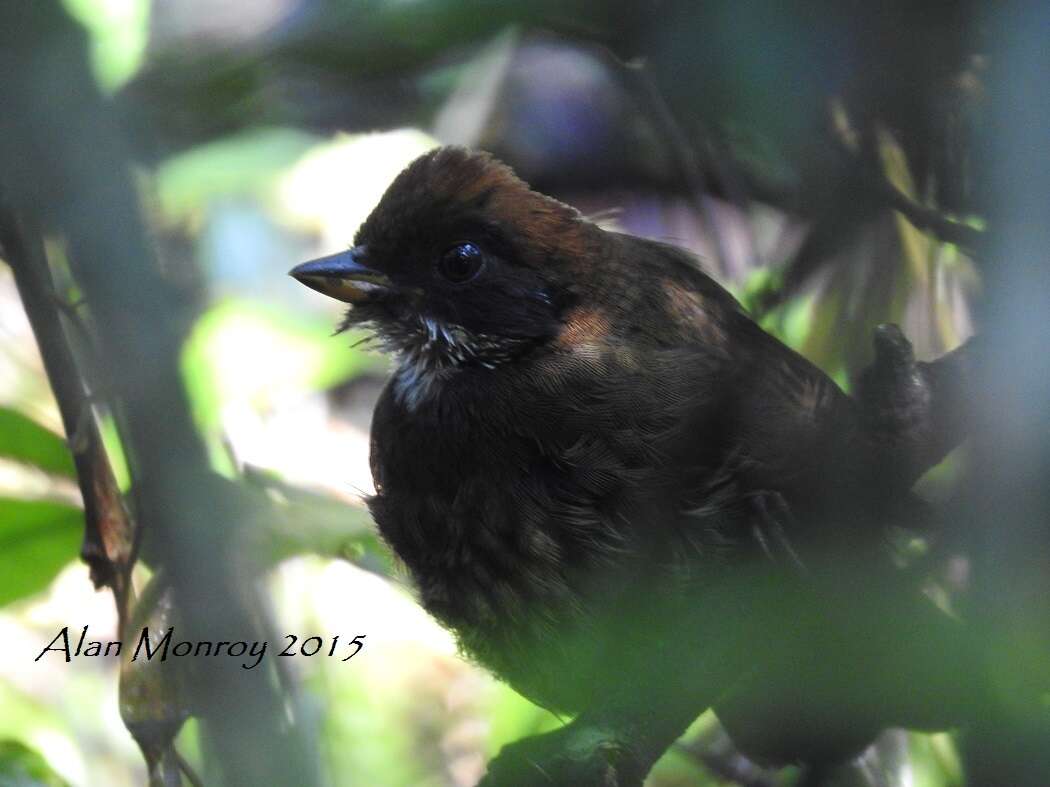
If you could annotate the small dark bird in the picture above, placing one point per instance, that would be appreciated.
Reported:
(590, 459)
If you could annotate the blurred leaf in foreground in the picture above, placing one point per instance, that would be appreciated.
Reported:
(20, 766)
(24, 440)
(37, 538)
(119, 33)
(248, 163)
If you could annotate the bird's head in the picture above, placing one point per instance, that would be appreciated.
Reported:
(459, 264)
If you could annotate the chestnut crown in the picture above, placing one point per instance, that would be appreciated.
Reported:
(459, 262)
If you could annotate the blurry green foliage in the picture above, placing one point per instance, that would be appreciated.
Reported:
(362, 714)
(513, 717)
(20, 766)
(37, 538)
(934, 760)
(24, 440)
(246, 163)
(245, 352)
(792, 321)
(119, 32)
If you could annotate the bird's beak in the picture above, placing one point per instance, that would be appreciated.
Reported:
(342, 276)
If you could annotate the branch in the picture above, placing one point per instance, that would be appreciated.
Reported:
(872, 177)
(65, 164)
(914, 413)
(928, 219)
(108, 532)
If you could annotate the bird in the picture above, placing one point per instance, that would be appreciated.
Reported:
(589, 458)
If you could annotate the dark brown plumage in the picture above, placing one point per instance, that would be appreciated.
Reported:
(585, 436)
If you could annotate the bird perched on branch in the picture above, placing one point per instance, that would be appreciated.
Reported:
(601, 474)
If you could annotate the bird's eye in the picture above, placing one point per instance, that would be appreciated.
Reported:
(461, 263)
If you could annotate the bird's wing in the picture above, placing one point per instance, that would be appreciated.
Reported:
(787, 435)
(788, 421)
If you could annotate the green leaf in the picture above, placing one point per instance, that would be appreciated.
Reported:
(24, 440)
(119, 35)
(20, 766)
(37, 538)
(250, 162)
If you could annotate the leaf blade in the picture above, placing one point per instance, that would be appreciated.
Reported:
(37, 539)
(24, 440)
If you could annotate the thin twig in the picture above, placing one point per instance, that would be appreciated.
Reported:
(107, 527)
(187, 770)
(881, 188)
(927, 219)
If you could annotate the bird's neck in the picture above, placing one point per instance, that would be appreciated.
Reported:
(434, 355)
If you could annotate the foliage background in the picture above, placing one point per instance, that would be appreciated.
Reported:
(775, 143)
